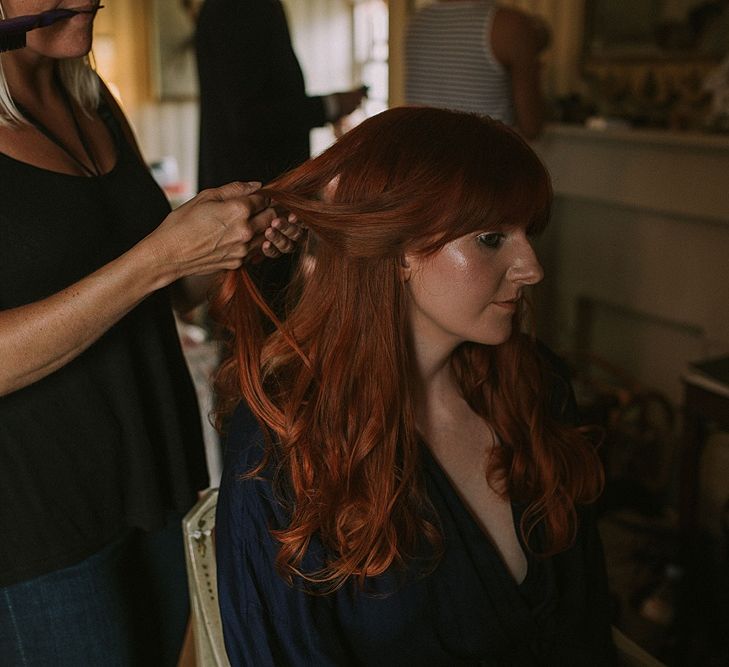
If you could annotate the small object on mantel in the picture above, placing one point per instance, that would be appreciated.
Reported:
(717, 85)
(602, 123)
(710, 374)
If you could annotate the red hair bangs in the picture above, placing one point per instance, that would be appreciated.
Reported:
(405, 183)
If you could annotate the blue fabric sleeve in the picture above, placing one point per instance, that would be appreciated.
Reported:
(265, 621)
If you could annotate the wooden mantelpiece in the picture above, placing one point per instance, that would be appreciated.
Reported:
(641, 230)
(678, 174)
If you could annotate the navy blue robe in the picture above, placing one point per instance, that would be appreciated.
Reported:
(468, 611)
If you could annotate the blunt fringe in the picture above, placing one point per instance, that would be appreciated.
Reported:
(331, 385)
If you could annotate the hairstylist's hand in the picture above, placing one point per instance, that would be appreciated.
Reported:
(217, 230)
(281, 236)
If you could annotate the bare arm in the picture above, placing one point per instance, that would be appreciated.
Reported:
(517, 40)
(210, 233)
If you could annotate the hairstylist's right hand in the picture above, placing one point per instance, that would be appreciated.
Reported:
(214, 231)
(217, 230)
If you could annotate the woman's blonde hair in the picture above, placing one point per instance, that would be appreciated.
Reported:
(77, 75)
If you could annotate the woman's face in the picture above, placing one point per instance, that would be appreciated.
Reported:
(69, 38)
(470, 289)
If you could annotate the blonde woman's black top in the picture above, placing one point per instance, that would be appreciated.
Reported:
(112, 440)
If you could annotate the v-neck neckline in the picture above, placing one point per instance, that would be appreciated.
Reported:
(432, 464)
(108, 121)
(522, 602)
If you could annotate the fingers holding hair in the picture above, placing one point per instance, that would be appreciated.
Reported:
(263, 228)
(281, 236)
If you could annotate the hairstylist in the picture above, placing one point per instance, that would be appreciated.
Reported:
(100, 442)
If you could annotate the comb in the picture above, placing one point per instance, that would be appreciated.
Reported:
(14, 30)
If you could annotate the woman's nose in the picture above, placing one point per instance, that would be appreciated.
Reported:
(525, 268)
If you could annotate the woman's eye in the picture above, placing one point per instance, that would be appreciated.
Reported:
(491, 240)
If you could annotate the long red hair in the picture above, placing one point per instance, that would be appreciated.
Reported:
(331, 386)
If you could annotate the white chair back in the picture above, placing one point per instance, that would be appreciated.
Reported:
(207, 630)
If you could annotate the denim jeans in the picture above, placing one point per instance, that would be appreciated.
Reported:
(125, 606)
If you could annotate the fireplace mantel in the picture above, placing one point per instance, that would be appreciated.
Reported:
(672, 173)
(640, 231)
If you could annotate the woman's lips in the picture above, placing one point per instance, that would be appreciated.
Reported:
(87, 8)
(507, 305)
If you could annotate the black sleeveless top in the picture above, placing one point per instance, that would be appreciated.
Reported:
(113, 439)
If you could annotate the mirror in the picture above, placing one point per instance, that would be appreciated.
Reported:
(663, 30)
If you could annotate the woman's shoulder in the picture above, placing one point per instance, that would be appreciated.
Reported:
(247, 484)
(243, 436)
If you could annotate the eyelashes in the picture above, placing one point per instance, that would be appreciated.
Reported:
(491, 240)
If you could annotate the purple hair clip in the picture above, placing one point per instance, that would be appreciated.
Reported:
(13, 31)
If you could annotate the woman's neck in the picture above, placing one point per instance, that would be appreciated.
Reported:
(30, 76)
(432, 363)
(434, 382)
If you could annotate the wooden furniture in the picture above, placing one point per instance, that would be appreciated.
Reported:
(207, 631)
(703, 405)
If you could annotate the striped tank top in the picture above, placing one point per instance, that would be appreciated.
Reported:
(449, 61)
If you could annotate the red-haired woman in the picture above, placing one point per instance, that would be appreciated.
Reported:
(404, 486)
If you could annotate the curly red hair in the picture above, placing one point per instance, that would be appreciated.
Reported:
(331, 385)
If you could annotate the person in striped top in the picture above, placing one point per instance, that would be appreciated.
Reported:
(478, 57)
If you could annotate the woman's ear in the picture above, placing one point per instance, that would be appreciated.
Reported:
(405, 270)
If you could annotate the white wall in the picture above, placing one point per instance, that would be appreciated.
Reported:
(640, 227)
(170, 129)
(322, 35)
(321, 31)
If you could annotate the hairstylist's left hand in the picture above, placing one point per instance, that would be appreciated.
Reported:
(281, 236)
(280, 232)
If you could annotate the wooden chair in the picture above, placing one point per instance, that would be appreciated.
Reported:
(207, 630)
